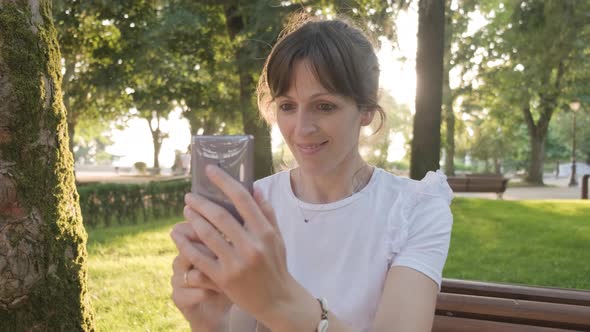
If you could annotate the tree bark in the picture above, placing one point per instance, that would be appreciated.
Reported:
(425, 154)
(253, 123)
(450, 126)
(497, 166)
(43, 273)
(65, 85)
(535, 168)
(537, 136)
(448, 95)
(538, 131)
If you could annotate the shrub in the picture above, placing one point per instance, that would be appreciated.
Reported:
(140, 166)
(108, 203)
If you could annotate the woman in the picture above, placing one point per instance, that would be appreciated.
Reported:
(335, 228)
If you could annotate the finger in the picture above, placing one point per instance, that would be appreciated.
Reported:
(266, 209)
(186, 230)
(241, 198)
(194, 279)
(180, 264)
(219, 217)
(186, 297)
(210, 236)
(198, 259)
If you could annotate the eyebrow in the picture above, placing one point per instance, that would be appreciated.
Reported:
(315, 95)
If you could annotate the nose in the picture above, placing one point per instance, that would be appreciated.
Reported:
(306, 124)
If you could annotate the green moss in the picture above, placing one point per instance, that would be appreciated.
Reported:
(44, 174)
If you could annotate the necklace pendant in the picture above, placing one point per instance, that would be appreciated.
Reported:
(306, 220)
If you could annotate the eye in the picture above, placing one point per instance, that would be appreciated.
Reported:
(285, 107)
(325, 107)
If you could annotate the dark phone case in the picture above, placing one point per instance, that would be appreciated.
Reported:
(234, 154)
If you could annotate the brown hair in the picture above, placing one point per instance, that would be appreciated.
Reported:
(340, 55)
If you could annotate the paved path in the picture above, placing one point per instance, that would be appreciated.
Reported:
(555, 189)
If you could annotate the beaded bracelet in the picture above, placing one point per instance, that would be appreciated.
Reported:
(323, 324)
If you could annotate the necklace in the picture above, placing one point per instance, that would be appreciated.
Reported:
(362, 181)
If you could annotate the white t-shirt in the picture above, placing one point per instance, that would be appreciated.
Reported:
(346, 249)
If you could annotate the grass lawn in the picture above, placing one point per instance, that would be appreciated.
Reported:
(129, 278)
(528, 242)
(544, 243)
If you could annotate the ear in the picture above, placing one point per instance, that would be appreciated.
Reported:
(367, 116)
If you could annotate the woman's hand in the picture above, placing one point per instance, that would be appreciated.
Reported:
(201, 302)
(250, 261)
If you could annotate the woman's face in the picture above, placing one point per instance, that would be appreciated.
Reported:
(320, 128)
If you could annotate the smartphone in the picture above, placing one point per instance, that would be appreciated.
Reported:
(234, 154)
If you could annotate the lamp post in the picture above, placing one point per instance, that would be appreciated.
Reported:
(574, 106)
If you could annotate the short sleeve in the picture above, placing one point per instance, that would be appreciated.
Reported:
(422, 236)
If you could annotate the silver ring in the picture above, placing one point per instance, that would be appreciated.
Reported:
(186, 278)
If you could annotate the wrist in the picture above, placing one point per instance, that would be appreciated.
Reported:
(299, 311)
(222, 325)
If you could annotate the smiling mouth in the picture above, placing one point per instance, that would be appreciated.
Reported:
(310, 148)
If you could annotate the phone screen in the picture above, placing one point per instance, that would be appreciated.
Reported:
(234, 154)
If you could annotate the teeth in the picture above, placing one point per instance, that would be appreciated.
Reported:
(312, 146)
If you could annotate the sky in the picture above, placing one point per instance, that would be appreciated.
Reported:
(397, 78)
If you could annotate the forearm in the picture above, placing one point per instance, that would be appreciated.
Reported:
(301, 313)
(221, 326)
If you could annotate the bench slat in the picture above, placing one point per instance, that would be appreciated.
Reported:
(492, 183)
(519, 292)
(457, 324)
(514, 311)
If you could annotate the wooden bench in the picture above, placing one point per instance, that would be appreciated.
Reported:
(478, 183)
(486, 307)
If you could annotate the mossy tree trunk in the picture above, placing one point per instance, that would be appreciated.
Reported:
(43, 255)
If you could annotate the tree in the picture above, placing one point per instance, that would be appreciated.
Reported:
(92, 84)
(398, 123)
(254, 25)
(212, 78)
(203, 79)
(42, 240)
(226, 91)
(92, 139)
(457, 54)
(559, 143)
(425, 154)
(168, 67)
(532, 51)
(147, 72)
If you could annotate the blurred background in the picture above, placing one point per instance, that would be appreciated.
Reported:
(141, 76)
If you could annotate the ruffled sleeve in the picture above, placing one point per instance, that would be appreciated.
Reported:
(420, 229)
